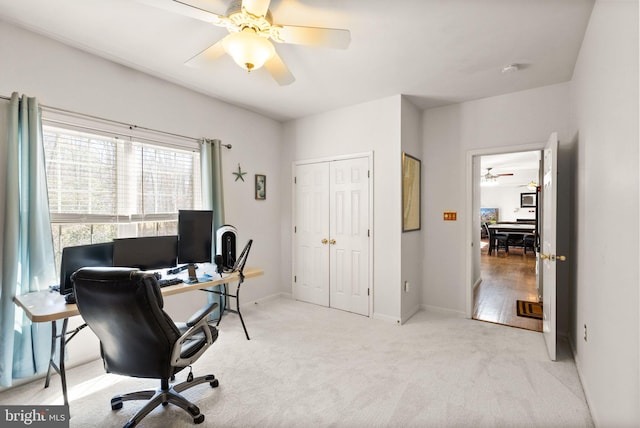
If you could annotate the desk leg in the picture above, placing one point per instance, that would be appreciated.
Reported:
(238, 309)
(225, 293)
(52, 364)
(53, 353)
(221, 305)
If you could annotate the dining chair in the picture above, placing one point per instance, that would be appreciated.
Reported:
(496, 240)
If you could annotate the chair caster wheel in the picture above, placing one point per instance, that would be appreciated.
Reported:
(164, 403)
(117, 405)
(198, 419)
(214, 384)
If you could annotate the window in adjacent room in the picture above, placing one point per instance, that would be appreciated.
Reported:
(104, 186)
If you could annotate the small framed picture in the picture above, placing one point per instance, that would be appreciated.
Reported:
(261, 187)
(527, 200)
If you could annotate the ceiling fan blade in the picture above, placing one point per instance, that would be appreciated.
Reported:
(207, 56)
(185, 9)
(505, 175)
(256, 7)
(314, 36)
(279, 71)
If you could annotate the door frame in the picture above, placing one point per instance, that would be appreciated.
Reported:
(472, 238)
(369, 155)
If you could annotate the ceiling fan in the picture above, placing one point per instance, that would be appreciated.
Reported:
(532, 185)
(251, 32)
(489, 176)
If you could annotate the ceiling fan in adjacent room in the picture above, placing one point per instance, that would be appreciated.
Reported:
(489, 177)
(532, 185)
(251, 32)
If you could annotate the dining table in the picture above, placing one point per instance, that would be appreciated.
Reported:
(510, 228)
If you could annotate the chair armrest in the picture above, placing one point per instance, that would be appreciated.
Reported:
(202, 312)
(197, 324)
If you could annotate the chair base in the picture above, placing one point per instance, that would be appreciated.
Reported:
(164, 395)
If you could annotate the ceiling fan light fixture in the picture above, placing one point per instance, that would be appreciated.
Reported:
(510, 68)
(486, 180)
(249, 50)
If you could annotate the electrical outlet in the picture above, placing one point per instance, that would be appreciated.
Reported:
(406, 286)
(585, 332)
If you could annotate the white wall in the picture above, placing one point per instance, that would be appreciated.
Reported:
(450, 134)
(67, 78)
(411, 263)
(604, 103)
(507, 200)
(372, 126)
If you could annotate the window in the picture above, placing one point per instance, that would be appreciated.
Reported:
(104, 186)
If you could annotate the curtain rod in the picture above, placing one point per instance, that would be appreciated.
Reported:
(129, 125)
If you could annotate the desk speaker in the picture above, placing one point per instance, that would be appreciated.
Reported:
(226, 239)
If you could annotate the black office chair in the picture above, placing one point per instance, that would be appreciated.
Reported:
(123, 307)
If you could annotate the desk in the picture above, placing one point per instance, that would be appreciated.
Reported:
(45, 306)
(516, 228)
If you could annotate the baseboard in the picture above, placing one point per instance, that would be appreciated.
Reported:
(280, 295)
(412, 312)
(384, 317)
(585, 389)
(444, 311)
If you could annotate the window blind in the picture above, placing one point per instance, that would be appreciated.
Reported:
(104, 186)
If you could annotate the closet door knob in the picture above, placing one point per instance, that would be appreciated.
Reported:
(332, 242)
(324, 241)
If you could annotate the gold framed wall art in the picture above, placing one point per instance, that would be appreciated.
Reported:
(411, 196)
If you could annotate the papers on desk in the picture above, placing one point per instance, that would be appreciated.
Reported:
(206, 272)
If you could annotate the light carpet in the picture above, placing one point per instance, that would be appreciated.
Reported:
(307, 365)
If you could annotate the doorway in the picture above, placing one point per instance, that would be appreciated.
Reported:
(508, 211)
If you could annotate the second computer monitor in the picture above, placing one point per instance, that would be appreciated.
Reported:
(146, 253)
(195, 229)
(76, 257)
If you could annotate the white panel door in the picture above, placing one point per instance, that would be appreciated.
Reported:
(311, 237)
(349, 235)
(548, 255)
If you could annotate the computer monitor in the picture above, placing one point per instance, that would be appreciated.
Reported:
(146, 253)
(195, 229)
(74, 258)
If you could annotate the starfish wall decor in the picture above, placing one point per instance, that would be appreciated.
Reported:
(239, 174)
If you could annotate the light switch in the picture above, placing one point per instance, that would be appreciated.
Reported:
(450, 216)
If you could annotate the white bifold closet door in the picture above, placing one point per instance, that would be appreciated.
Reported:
(331, 242)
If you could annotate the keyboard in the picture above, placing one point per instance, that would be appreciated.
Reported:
(169, 281)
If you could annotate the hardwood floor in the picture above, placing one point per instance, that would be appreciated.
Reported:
(505, 279)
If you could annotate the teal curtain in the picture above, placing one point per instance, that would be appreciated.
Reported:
(27, 244)
(212, 195)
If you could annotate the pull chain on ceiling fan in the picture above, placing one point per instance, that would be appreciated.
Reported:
(251, 32)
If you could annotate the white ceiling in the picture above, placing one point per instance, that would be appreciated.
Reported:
(437, 52)
(523, 165)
